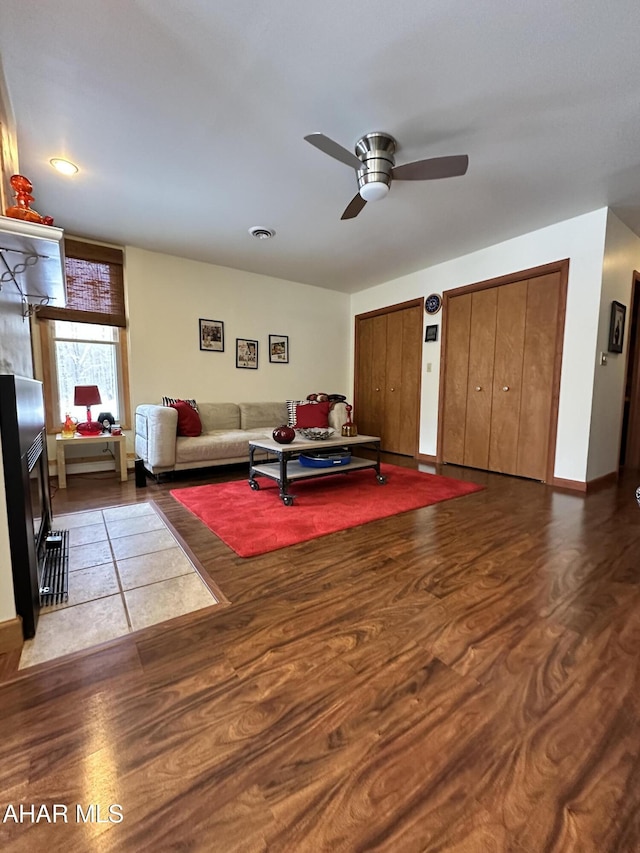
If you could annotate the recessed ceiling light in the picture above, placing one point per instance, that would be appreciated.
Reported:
(261, 233)
(66, 167)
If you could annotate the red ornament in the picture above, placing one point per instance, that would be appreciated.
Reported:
(22, 208)
(284, 434)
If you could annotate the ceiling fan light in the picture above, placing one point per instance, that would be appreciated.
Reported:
(374, 190)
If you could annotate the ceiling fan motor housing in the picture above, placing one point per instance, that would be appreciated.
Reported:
(376, 151)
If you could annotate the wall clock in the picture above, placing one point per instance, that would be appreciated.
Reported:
(433, 303)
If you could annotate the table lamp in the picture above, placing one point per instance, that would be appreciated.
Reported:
(87, 395)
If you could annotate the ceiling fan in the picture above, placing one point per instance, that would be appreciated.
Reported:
(375, 166)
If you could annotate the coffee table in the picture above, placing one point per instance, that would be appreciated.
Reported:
(287, 469)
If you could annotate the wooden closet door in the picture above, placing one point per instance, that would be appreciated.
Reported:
(538, 367)
(503, 346)
(480, 381)
(371, 373)
(507, 377)
(456, 379)
(402, 381)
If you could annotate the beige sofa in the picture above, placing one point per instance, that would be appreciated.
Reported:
(227, 429)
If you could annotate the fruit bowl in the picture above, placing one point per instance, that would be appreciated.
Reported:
(316, 433)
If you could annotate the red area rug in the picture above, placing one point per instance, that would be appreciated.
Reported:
(256, 522)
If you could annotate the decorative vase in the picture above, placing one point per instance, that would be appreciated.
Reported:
(284, 434)
(69, 427)
(22, 209)
(348, 428)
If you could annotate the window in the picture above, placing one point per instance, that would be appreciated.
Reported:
(86, 354)
(85, 342)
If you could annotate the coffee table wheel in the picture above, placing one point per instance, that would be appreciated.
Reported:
(255, 485)
(381, 479)
(287, 500)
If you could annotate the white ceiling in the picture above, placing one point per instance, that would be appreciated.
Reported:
(187, 120)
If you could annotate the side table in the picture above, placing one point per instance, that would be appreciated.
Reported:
(62, 443)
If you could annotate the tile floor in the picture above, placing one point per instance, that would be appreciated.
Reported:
(126, 572)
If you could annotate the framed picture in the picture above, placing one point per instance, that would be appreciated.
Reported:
(431, 333)
(212, 335)
(616, 327)
(246, 353)
(279, 349)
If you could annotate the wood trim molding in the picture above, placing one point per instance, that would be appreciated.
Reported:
(11, 635)
(606, 480)
(49, 380)
(584, 487)
(389, 309)
(632, 383)
(427, 458)
(521, 275)
(574, 485)
(563, 268)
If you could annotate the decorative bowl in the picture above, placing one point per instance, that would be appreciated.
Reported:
(317, 433)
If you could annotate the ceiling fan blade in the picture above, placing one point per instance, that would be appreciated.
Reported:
(354, 207)
(435, 167)
(328, 146)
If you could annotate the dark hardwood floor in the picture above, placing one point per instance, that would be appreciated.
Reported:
(464, 677)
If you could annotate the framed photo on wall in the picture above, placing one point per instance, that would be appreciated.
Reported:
(279, 349)
(431, 334)
(246, 353)
(212, 335)
(616, 327)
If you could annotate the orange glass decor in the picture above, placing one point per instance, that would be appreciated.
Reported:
(69, 427)
(21, 209)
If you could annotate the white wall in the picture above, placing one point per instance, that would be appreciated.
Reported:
(621, 258)
(580, 239)
(167, 296)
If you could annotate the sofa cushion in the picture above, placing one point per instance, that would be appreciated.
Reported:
(219, 416)
(220, 444)
(291, 410)
(313, 415)
(169, 401)
(256, 415)
(188, 419)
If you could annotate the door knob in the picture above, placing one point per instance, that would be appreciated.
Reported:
(478, 388)
(505, 387)
(377, 389)
(393, 389)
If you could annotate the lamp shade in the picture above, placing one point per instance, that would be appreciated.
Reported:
(86, 395)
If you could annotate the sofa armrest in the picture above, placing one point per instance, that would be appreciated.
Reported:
(155, 442)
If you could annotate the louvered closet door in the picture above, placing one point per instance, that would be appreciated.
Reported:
(480, 380)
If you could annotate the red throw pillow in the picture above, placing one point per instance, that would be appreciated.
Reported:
(312, 415)
(189, 423)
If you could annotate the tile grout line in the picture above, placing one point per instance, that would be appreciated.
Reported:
(118, 578)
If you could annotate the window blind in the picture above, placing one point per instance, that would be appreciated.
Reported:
(95, 286)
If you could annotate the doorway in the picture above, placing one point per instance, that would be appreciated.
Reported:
(630, 438)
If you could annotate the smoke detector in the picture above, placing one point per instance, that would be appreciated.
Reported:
(261, 233)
